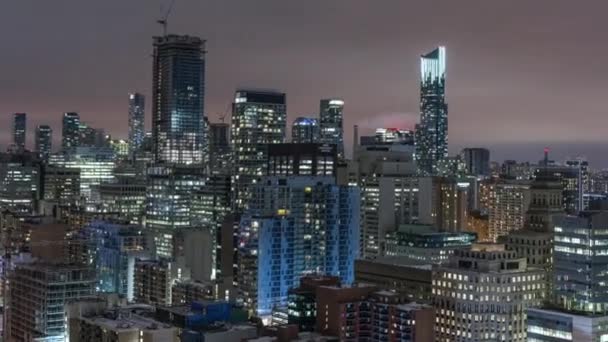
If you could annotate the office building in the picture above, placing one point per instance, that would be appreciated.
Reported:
(91, 137)
(258, 120)
(579, 245)
(70, 131)
(43, 141)
(137, 116)
(119, 146)
(125, 196)
(302, 160)
(37, 296)
(19, 185)
(476, 161)
(394, 136)
(168, 202)
(331, 124)
(61, 184)
(19, 131)
(220, 154)
(112, 249)
(507, 205)
(432, 131)
(482, 295)
(305, 131)
(154, 280)
(411, 279)
(425, 244)
(295, 226)
(554, 325)
(178, 99)
(187, 292)
(302, 301)
(96, 165)
(389, 192)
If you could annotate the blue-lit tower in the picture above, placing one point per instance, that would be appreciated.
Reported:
(432, 131)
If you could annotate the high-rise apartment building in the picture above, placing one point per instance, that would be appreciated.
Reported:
(37, 297)
(19, 130)
(137, 116)
(476, 161)
(331, 123)
(258, 119)
(432, 131)
(70, 131)
(43, 141)
(178, 124)
(154, 280)
(305, 131)
(482, 295)
(294, 226)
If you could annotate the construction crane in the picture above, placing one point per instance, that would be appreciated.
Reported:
(163, 21)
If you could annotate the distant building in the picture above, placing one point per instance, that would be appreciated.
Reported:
(43, 316)
(154, 280)
(490, 289)
(408, 277)
(178, 99)
(432, 131)
(70, 132)
(302, 301)
(258, 120)
(43, 141)
(331, 123)
(477, 161)
(508, 203)
(126, 196)
(61, 184)
(188, 291)
(19, 185)
(555, 325)
(302, 160)
(220, 153)
(137, 116)
(19, 131)
(305, 131)
(394, 136)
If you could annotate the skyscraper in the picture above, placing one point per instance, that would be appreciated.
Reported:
(258, 119)
(432, 131)
(178, 99)
(331, 122)
(305, 131)
(476, 161)
(44, 141)
(19, 124)
(219, 148)
(70, 131)
(136, 121)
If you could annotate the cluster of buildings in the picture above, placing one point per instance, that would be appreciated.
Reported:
(203, 231)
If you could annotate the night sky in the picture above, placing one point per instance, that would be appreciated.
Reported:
(521, 74)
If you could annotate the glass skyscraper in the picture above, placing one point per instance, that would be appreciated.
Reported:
(70, 132)
(432, 131)
(19, 121)
(258, 119)
(136, 121)
(44, 141)
(331, 123)
(178, 99)
(305, 131)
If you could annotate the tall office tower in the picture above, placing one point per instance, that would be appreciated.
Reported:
(482, 295)
(507, 207)
(584, 182)
(331, 122)
(137, 116)
(258, 119)
(432, 131)
(168, 203)
(42, 317)
(112, 249)
(19, 185)
(219, 149)
(305, 131)
(61, 185)
(44, 141)
(178, 105)
(389, 192)
(70, 131)
(294, 226)
(96, 166)
(476, 161)
(580, 259)
(19, 131)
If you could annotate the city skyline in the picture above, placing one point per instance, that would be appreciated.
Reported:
(495, 80)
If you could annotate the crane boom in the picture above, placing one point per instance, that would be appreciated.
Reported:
(164, 20)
